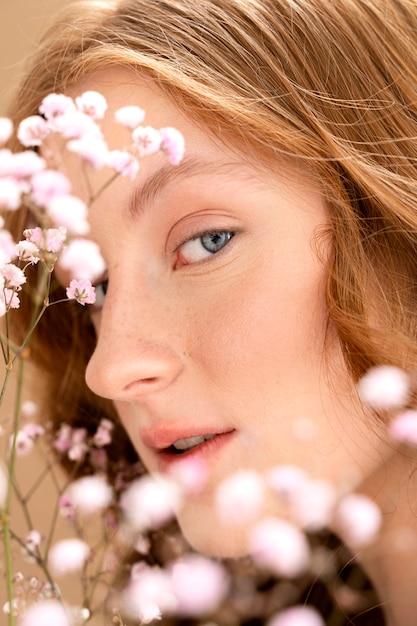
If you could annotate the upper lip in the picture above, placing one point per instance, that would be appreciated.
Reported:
(163, 436)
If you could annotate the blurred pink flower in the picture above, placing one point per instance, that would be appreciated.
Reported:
(10, 194)
(82, 291)
(403, 427)
(74, 124)
(28, 251)
(6, 129)
(46, 613)
(92, 103)
(358, 520)
(82, 259)
(23, 443)
(240, 497)
(123, 163)
(287, 480)
(147, 140)
(148, 594)
(297, 616)
(32, 131)
(103, 434)
(70, 212)
(91, 149)
(280, 547)
(68, 556)
(384, 387)
(172, 144)
(27, 164)
(48, 184)
(7, 247)
(199, 585)
(150, 502)
(13, 276)
(90, 494)
(191, 474)
(33, 430)
(312, 506)
(55, 105)
(130, 116)
(29, 409)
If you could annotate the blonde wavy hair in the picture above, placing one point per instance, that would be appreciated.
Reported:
(330, 82)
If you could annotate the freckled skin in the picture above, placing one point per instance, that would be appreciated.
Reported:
(234, 340)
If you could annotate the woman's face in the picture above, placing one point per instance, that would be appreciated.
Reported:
(214, 320)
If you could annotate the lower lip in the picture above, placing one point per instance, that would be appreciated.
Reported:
(207, 452)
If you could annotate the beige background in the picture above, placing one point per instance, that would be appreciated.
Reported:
(21, 21)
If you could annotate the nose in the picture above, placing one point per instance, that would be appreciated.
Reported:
(135, 353)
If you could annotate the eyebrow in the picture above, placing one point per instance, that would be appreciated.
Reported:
(145, 193)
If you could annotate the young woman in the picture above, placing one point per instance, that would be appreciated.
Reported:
(249, 288)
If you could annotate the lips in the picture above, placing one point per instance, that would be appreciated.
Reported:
(173, 444)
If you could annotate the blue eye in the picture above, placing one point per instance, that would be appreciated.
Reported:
(204, 246)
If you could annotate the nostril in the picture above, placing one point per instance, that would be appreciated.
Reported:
(142, 382)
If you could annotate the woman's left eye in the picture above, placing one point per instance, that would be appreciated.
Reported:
(201, 247)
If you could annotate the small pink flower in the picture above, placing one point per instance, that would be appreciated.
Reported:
(358, 520)
(32, 131)
(23, 443)
(49, 184)
(130, 116)
(70, 212)
(55, 105)
(63, 438)
(312, 506)
(199, 585)
(74, 125)
(297, 616)
(14, 277)
(280, 547)
(123, 163)
(103, 435)
(66, 508)
(240, 497)
(82, 259)
(29, 409)
(6, 162)
(403, 427)
(287, 480)
(92, 103)
(33, 431)
(91, 149)
(11, 298)
(28, 252)
(77, 451)
(191, 474)
(149, 594)
(68, 556)
(6, 130)
(150, 502)
(46, 613)
(7, 247)
(10, 194)
(54, 239)
(384, 387)
(146, 140)
(82, 291)
(173, 144)
(90, 494)
(34, 235)
(26, 164)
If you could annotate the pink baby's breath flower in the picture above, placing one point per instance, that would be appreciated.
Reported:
(191, 474)
(66, 508)
(90, 494)
(92, 103)
(173, 144)
(33, 430)
(147, 140)
(6, 129)
(312, 506)
(54, 239)
(11, 298)
(46, 613)
(63, 439)
(150, 502)
(10, 194)
(403, 427)
(240, 497)
(103, 435)
(384, 387)
(34, 235)
(7, 247)
(70, 212)
(123, 163)
(29, 410)
(358, 520)
(91, 149)
(130, 116)
(77, 451)
(75, 124)
(82, 259)
(82, 291)
(149, 594)
(13, 276)
(6, 162)
(32, 131)
(23, 443)
(280, 547)
(199, 585)
(287, 480)
(55, 105)
(68, 556)
(28, 252)
(297, 616)
(49, 184)
(27, 164)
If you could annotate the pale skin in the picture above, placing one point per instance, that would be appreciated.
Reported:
(231, 340)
